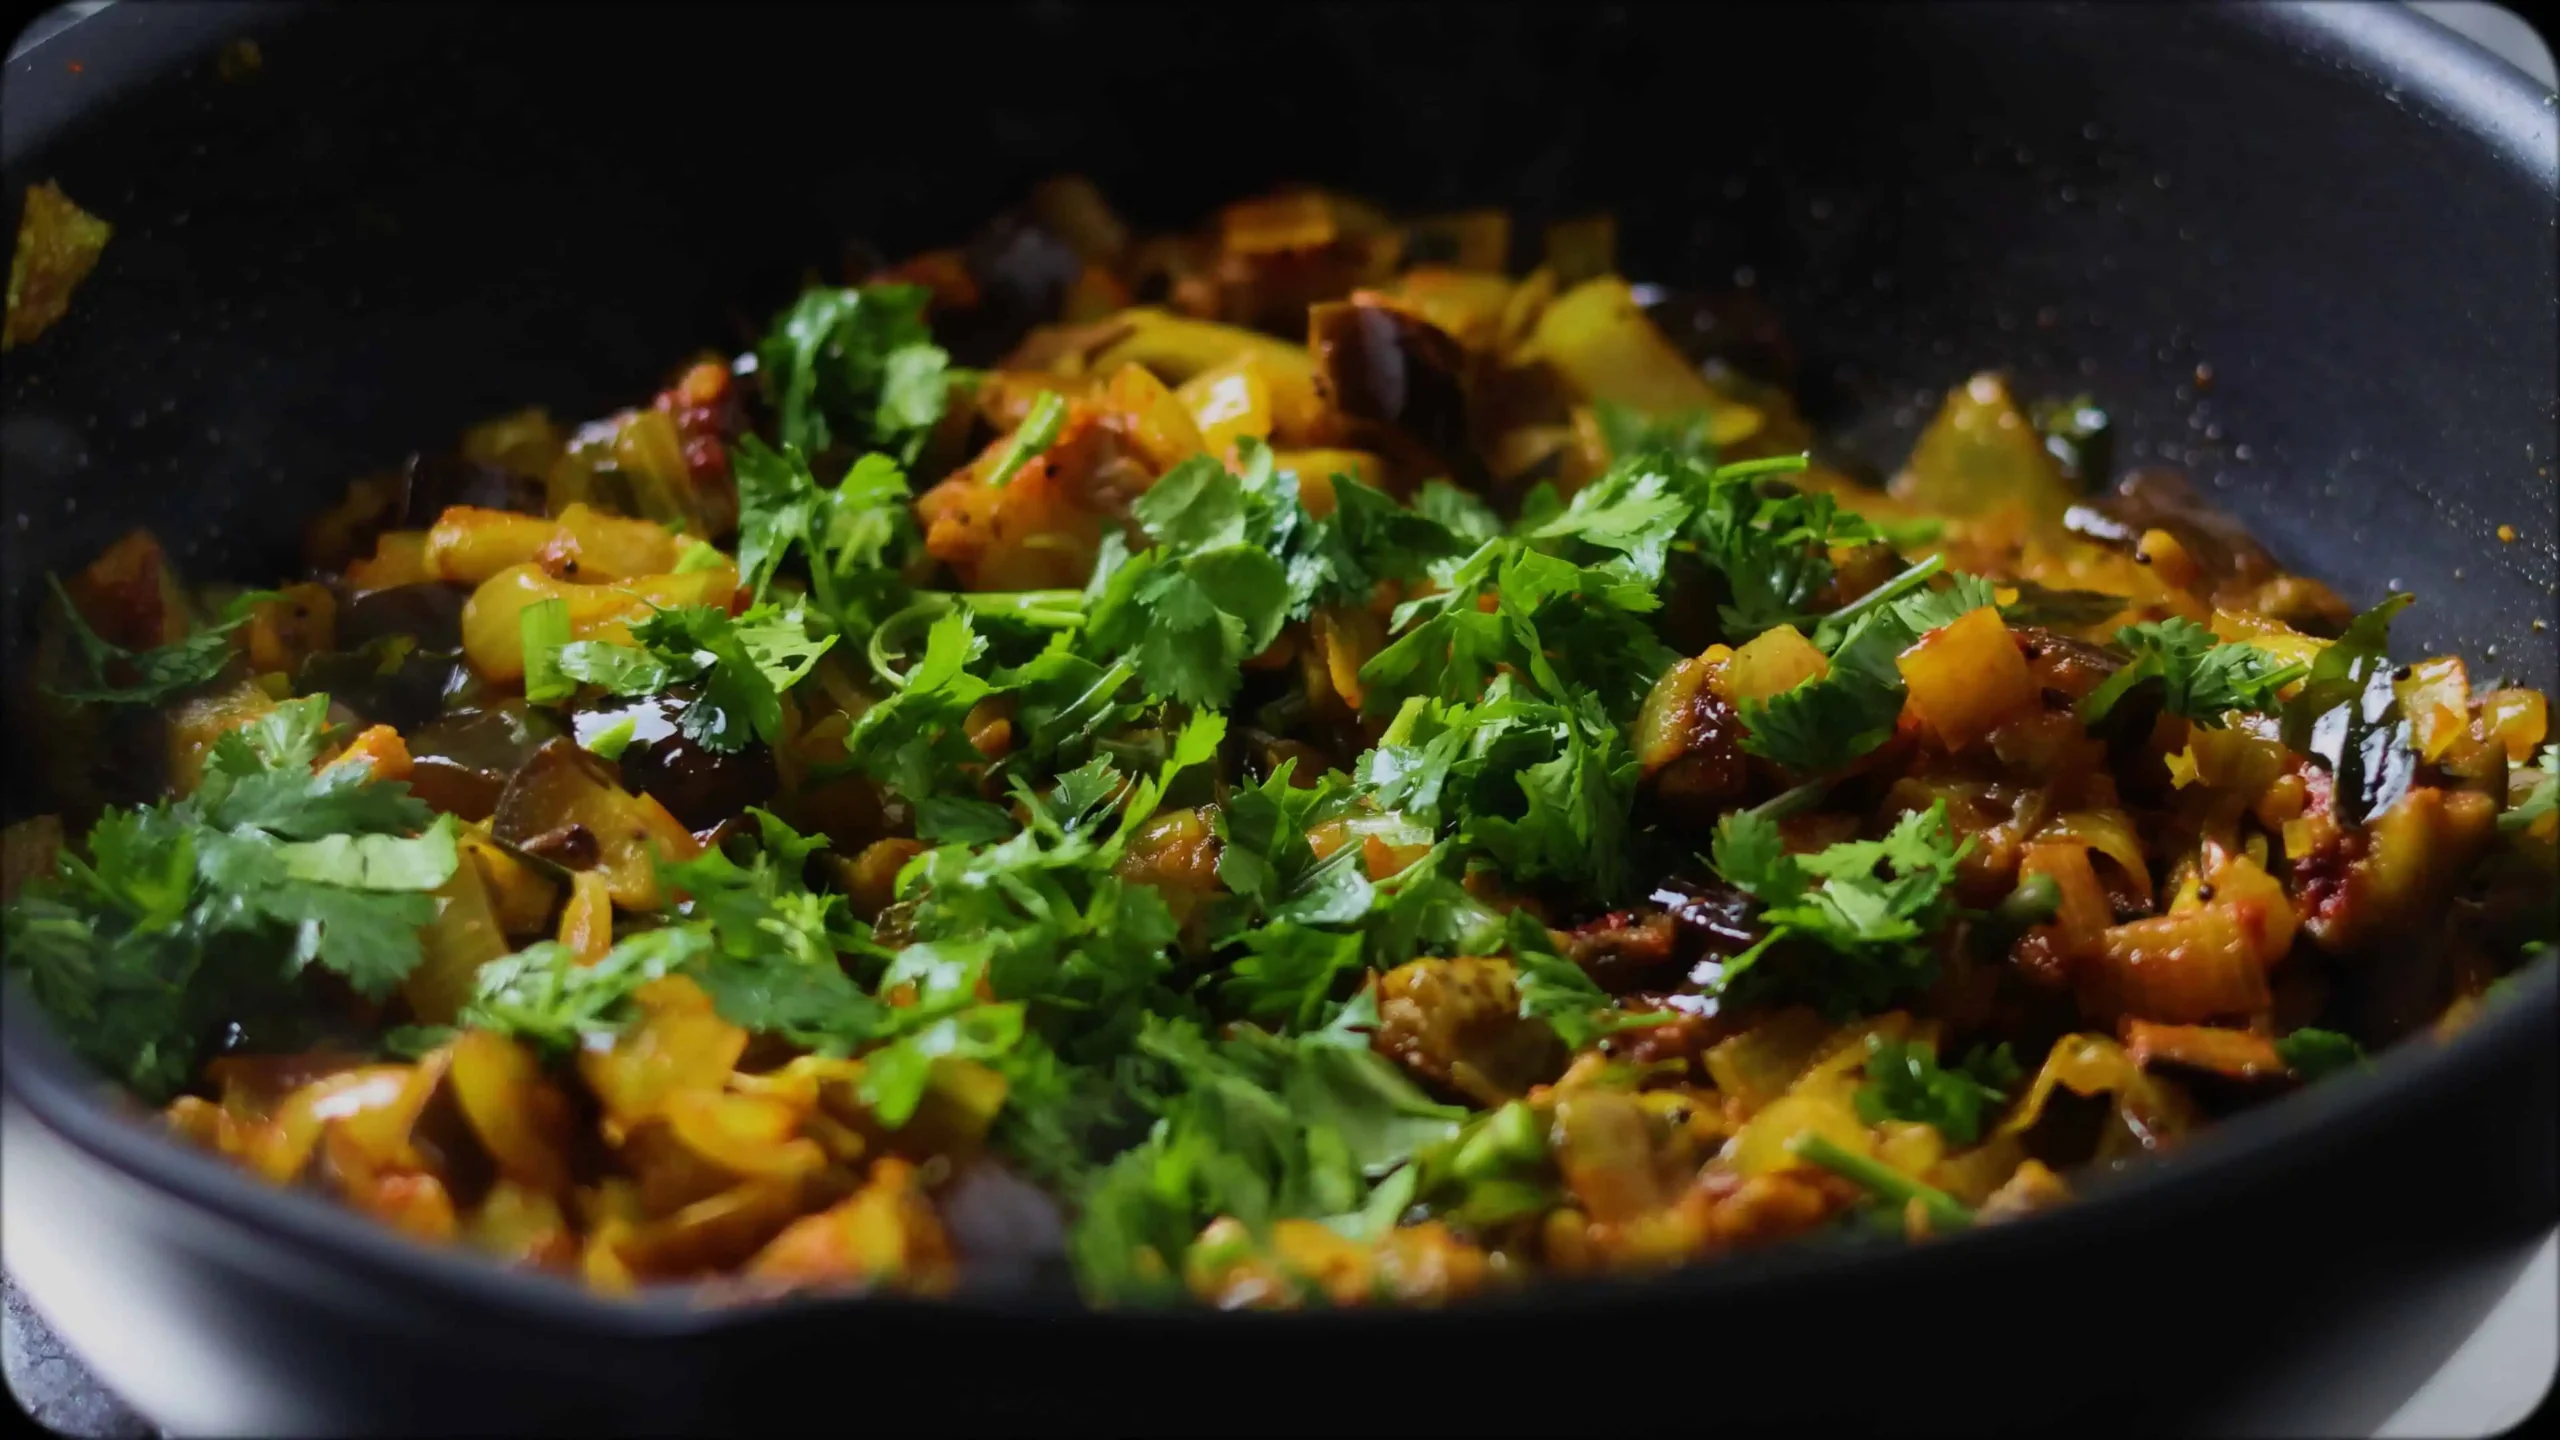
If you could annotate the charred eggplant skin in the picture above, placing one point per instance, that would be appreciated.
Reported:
(1393, 372)
(699, 786)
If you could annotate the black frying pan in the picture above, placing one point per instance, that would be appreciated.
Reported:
(408, 219)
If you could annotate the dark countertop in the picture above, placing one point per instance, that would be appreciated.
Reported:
(51, 1385)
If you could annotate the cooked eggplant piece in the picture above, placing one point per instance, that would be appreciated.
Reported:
(386, 681)
(1626, 950)
(1023, 273)
(1398, 372)
(561, 790)
(433, 484)
(1713, 919)
(400, 655)
(699, 787)
(2231, 568)
(461, 763)
(428, 614)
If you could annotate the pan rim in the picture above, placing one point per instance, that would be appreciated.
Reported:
(36, 1074)
(2475, 93)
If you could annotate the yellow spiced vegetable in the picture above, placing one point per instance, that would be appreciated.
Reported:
(1280, 764)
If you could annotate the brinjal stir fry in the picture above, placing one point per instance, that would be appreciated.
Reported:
(1285, 764)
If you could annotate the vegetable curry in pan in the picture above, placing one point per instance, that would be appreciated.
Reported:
(1287, 764)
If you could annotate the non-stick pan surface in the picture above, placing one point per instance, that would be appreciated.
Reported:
(2305, 253)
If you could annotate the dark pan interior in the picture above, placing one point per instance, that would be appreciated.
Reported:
(413, 217)
(410, 218)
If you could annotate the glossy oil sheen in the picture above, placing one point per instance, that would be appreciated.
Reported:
(412, 218)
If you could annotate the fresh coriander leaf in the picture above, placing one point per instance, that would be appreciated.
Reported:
(1065, 702)
(915, 385)
(1567, 628)
(414, 1042)
(958, 820)
(915, 741)
(752, 659)
(1380, 1116)
(2542, 799)
(862, 536)
(1630, 434)
(368, 936)
(1460, 513)
(2316, 1054)
(1869, 906)
(1077, 802)
(2347, 715)
(1831, 719)
(109, 952)
(1825, 722)
(1575, 778)
(374, 862)
(2201, 678)
(162, 673)
(855, 540)
(1085, 950)
(1408, 769)
(1197, 505)
(623, 669)
(1196, 743)
(775, 966)
(1367, 539)
(1554, 989)
(1266, 861)
(1771, 543)
(1545, 788)
(856, 367)
(187, 912)
(1259, 1128)
(543, 627)
(1905, 1082)
(776, 638)
(547, 995)
(1288, 972)
(1032, 438)
(1424, 910)
(1831, 630)
(896, 1075)
(1927, 610)
(1190, 624)
(777, 498)
(260, 776)
(1634, 509)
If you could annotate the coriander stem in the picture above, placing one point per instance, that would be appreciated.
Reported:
(1050, 609)
(1944, 1210)
(1037, 432)
(1041, 609)
(821, 578)
(1769, 465)
(1916, 575)
(1099, 694)
(1793, 799)
(2035, 901)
